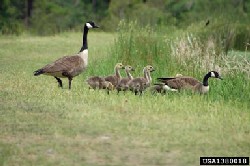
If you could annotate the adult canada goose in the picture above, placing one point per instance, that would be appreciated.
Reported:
(185, 82)
(139, 84)
(123, 83)
(69, 66)
(97, 82)
(114, 79)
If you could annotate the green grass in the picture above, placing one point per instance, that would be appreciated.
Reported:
(42, 124)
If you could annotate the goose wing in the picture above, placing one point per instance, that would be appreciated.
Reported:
(123, 81)
(112, 78)
(95, 82)
(179, 82)
(64, 64)
(95, 79)
(138, 83)
(190, 80)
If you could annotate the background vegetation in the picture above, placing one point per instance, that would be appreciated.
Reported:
(229, 18)
(41, 124)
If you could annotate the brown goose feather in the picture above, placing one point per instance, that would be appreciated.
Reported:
(185, 82)
(65, 66)
(114, 79)
(123, 83)
(97, 82)
(69, 66)
(180, 82)
(139, 84)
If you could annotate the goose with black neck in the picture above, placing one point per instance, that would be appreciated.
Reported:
(186, 82)
(69, 66)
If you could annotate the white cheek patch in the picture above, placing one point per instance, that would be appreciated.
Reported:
(89, 25)
(212, 74)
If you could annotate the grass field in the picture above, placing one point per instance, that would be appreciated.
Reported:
(41, 124)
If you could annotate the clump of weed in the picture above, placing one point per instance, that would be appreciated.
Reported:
(196, 54)
(189, 53)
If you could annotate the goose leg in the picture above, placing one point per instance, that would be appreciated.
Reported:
(59, 82)
(136, 92)
(118, 90)
(124, 90)
(70, 79)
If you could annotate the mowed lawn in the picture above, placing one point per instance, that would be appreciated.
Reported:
(41, 124)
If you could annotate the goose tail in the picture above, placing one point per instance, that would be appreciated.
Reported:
(38, 72)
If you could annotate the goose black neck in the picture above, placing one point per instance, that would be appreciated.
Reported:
(84, 39)
(205, 79)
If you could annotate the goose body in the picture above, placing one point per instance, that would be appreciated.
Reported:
(139, 84)
(96, 82)
(69, 66)
(185, 82)
(114, 79)
(123, 83)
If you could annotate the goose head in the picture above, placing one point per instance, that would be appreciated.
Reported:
(119, 66)
(215, 74)
(129, 68)
(150, 68)
(91, 24)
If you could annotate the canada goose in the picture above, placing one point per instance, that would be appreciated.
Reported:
(114, 79)
(69, 66)
(123, 83)
(185, 82)
(97, 82)
(139, 84)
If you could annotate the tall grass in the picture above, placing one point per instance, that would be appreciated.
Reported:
(187, 53)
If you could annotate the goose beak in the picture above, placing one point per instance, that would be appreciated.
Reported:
(132, 69)
(220, 78)
(96, 26)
